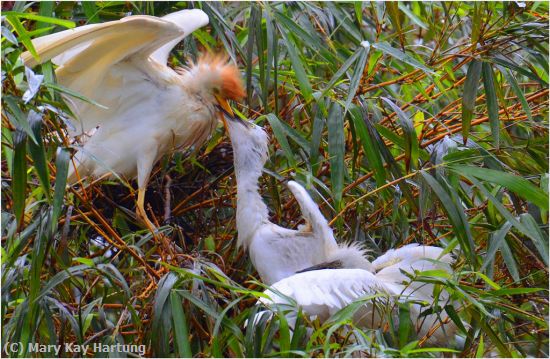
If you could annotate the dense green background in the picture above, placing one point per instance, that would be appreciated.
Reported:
(417, 122)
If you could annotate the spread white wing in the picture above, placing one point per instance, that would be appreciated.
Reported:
(99, 61)
(322, 293)
(315, 221)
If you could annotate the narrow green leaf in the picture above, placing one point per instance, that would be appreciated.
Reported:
(62, 169)
(411, 141)
(357, 75)
(298, 66)
(46, 10)
(338, 75)
(19, 179)
(516, 184)
(336, 149)
(369, 148)
(19, 119)
(455, 318)
(398, 54)
(496, 240)
(469, 97)
(38, 153)
(456, 216)
(23, 35)
(279, 133)
(518, 92)
(91, 11)
(403, 6)
(480, 348)
(50, 20)
(506, 63)
(492, 102)
(181, 333)
(405, 325)
(540, 240)
(160, 331)
(510, 262)
(516, 291)
(316, 134)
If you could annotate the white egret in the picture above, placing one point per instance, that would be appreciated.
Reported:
(147, 109)
(308, 266)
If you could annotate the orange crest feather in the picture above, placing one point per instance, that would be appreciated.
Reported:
(232, 86)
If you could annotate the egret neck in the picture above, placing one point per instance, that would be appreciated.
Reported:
(250, 154)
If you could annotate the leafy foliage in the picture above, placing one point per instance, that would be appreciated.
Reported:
(410, 122)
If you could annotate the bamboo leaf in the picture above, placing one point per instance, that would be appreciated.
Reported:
(279, 133)
(492, 102)
(19, 176)
(357, 74)
(469, 97)
(38, 152)
(298, 66)
(398, 54)
(516, 184)
(181, 333)
(62, 169)
(336, 149)
(518, 92)
(411, 141)
(369, 148)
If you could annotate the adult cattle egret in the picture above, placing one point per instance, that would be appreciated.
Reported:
(147, 109)
(308, 267)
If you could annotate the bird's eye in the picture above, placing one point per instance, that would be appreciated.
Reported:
(216, 91)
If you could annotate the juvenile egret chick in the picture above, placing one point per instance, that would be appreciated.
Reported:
(276, 252)
(308, 267)
(146, 109)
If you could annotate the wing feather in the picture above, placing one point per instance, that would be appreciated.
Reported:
(325, 290)
(313, 216)
(127, 36)
(186, 20)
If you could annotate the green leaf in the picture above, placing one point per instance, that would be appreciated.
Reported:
(516, 184)
(19, 119)
(456, 216)
(369, 148)
(398, 54)
(62, 169)
(38, 152)
(342, 70)
(469, 97)
(405, 325)
(492, 102)
(50, 20)
(357, 75)
(298, 66)
(540, 240)
(519, 69)
(279, 133)
(495, 243)
(411, 141)
(23, 35)
(518, 92)
(19, 177)
(181, 333)
(91, 11)
(161, 309)
(336, 149)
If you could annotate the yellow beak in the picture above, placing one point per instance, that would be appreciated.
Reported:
(225, 107)
(224, 104)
